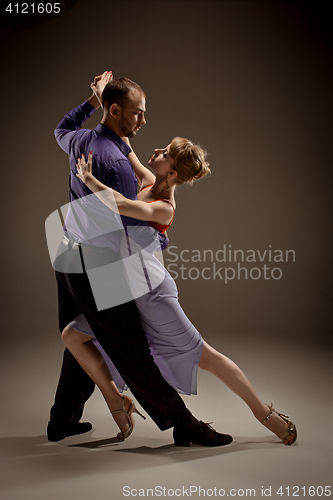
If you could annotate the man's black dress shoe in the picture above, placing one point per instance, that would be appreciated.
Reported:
(56, 434)
(204, 434)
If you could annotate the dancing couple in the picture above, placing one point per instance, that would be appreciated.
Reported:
(147, 344)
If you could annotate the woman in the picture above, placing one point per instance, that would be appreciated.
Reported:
(176, 345)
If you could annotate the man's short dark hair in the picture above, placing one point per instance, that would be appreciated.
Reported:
(116, 91)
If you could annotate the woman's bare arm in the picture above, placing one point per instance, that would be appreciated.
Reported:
(158, 211)
(144, 176)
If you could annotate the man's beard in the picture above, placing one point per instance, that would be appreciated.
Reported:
(132, 133)
(127, 131)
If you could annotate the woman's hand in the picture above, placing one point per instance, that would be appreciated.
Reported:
(84, 170)
(99, 83)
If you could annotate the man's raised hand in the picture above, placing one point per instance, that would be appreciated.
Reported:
(97, 86)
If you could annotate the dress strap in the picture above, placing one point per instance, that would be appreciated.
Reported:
(150, 185)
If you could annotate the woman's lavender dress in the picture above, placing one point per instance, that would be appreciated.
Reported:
(175, 343)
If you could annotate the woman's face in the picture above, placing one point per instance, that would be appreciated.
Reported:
(161, 161)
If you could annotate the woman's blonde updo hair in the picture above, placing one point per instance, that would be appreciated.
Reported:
(189, 160)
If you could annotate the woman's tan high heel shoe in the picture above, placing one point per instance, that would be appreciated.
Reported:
(132, 409)
(290, 436)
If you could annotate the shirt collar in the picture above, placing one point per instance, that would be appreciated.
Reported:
(107, 132)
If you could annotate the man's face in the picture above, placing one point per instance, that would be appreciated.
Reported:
(132, 116)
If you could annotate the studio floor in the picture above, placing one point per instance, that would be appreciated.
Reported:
(296, 375)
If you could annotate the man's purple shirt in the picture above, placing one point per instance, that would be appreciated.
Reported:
(110, 166)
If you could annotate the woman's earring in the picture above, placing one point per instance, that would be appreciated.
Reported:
(167, 183)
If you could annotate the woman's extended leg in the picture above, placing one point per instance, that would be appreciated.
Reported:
(91, 360)
(229, 373)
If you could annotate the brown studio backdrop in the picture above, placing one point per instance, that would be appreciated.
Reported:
(251, 81)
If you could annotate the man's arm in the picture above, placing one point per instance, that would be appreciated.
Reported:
(71, 123)
(74, 119)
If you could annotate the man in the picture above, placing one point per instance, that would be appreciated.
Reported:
(118, 329)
